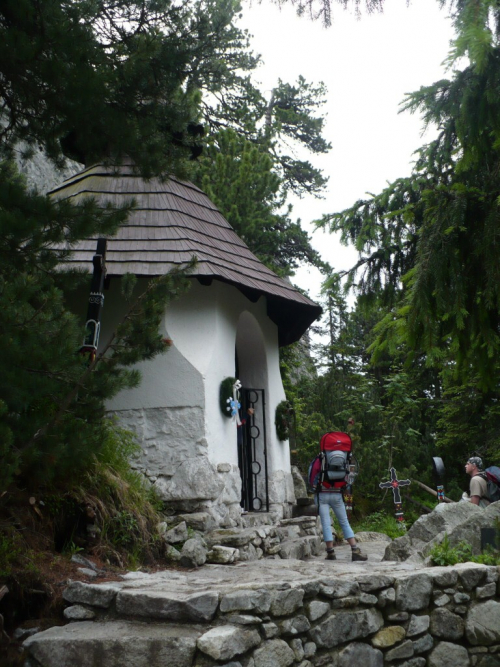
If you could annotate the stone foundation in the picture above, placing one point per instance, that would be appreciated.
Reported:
(168, 437)
(174, 458)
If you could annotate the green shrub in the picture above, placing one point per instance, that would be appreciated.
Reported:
(10, 550)
(126, 506)
(445, 554)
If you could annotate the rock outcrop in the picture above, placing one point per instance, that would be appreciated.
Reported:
(460, 522)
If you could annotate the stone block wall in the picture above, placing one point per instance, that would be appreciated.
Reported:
(434, 617)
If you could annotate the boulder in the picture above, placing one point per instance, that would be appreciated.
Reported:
(388, 636)
(431, 528)
(231, 537)
(423, 644)
(358, 653)
(294, 626)
(482, 625)
(413, 591)
(172, 554)
(274, 653)
(223, 555)
(78, 613)
(346, 626)
(316, 609)
(150, 603)
(176, 534)
(446, 654)
(298, 649)
(301, 548)
(469, 530)
(338, 588)
(417, 625)
(446, 625)
(94, 595)
(404, 650)
(258, 601)
(226, 641)
(287, 601)
(202, 521)
(193, 553)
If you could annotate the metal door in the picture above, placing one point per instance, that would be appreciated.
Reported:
(252, 452)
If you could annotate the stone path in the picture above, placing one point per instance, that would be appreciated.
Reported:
(281, 613)
(289, 570)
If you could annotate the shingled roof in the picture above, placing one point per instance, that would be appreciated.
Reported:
(172, 222)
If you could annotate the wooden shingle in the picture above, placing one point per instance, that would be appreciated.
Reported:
(173, 221)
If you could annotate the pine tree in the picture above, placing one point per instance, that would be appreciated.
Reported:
(51, 400)
(91, 81)
(322, 9)
(429, 241)
(239, 177)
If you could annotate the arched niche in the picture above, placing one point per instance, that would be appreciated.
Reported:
(251, 361)
(252, 371)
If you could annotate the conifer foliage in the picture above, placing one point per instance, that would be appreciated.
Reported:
(51, 400)
(241, 178)
(429, 255)
(90, 81)
(429, 241)
(93, 80)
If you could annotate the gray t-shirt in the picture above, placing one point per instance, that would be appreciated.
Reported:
(478, 487)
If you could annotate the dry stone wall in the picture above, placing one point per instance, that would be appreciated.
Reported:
(434, 617)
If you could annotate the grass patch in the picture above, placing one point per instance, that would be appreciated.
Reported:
(125, 507)
(380, 522)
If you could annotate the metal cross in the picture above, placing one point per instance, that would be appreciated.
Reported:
(394, 483)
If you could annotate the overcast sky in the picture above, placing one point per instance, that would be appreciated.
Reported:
(368, 65)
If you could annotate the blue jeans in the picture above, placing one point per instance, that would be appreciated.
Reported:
(336, 502)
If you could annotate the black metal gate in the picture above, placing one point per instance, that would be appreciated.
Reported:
(252, 452)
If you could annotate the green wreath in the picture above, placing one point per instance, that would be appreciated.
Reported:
(283, 419)
(225, 392)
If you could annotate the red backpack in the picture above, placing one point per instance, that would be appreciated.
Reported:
(330, 468)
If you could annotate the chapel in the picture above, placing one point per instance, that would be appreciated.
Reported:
(229, 324)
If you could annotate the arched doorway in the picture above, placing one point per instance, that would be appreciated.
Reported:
(251, 370)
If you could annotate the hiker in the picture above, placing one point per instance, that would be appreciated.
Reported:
(478, 489)
(333, 498)
(327, 477)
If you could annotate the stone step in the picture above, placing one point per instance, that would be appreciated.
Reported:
(115, 644)
(304, 510)
(254, 519)
(304, 501)
(301, 548)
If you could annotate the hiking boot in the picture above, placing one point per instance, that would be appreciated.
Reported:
(330, 554)
(357, 554)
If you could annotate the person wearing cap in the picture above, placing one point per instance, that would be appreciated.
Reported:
(478, 487)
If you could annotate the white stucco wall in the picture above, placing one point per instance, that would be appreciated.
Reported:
(189, 448)
(185, 381)
(204, 327)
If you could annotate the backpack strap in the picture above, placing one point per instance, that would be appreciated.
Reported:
(484, 476)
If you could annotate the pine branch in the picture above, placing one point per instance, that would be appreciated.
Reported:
(68, 400)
